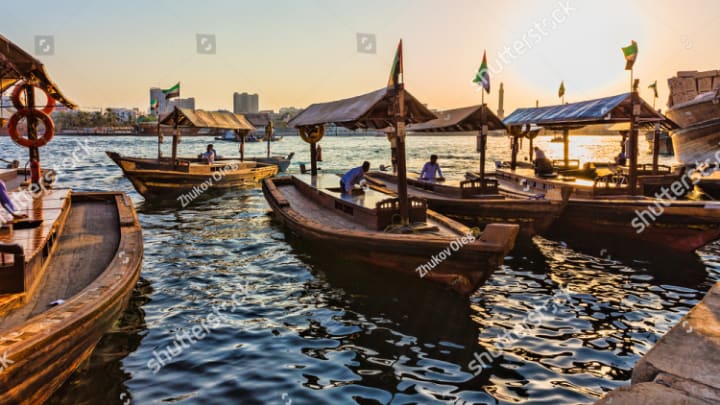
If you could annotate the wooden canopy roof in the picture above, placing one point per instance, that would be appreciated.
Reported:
(460, 120)
(371, 110)
(16, 65)
(258, 119)
(605, 110)
(186, 117)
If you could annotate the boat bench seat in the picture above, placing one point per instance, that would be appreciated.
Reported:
(23, 251)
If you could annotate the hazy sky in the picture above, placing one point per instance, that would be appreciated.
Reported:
(294, 53)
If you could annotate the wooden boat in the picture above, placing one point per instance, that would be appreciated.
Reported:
(356, 227)
(154, 178)
(697, 143)
(174, 178)
(83, 248)
(470, 204)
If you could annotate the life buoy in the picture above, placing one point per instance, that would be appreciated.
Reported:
(26, 142)
(312, 136)
(17, 93)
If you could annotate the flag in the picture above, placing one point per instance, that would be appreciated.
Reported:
(396, 79)
(654, 87)
(482, 77)
(561, 90)
(173, 91)
(630, 53)
(154, 104)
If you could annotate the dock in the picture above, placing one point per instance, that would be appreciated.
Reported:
(684, 366)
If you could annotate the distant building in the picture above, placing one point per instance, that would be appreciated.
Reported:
(125, 114)
(245, 103)
(179, 102)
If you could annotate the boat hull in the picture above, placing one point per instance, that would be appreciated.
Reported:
(697, 144)
(162, 182)
(48, 348)
(462, 271)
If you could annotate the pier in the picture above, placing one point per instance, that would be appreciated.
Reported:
(684, 365)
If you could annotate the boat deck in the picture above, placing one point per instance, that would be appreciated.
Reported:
(329, 185)
(85, 248)
(11, 178)
(391, 184)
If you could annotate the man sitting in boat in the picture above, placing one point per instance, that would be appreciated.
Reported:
(430, 169)
(7, 203)
(543, 165)
(621, 159)
(353, 177)
(210, 155)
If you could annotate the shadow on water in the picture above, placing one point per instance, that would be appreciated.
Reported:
(100, 379)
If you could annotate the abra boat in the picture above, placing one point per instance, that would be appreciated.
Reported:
(612, 205)
(168, 178)
(357, 228)
(396, 234)
(81, 252)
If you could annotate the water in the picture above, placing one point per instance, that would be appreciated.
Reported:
(558, 323)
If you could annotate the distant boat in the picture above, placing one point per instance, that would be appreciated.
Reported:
(557, 138)
(229, 136)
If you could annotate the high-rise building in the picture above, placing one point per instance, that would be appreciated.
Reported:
(180, 102)
(245, 103)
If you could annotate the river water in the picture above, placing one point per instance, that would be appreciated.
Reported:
(558, 323)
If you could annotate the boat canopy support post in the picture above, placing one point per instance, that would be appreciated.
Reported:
(176, 136)
(242, 143)
(32, 135)
(402, 166)
(268, 136)
(566, 147)
(656, 148)
(515, 133)
(635, 106)
(483, 145)
(312, 135)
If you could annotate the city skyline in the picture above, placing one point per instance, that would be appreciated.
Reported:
(531, 47)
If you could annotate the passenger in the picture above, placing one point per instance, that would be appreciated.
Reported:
(353, 177)
(210, 155)
(543, 165)
(621, 159)
(431, 169)
(7, 203)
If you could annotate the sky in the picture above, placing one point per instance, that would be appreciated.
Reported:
(294, 53)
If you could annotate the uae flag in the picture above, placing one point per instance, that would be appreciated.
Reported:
(154, 104)
(654, 87)
(630, 53)
(173, 91)
(482, 77)
(396, 79)
(561, 90)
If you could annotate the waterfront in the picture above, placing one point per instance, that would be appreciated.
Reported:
(310, 331)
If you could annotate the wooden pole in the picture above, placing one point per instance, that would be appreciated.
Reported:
(633, 141)
(514, 149)
(566, 147)
(402, 167)
(32, 134)
(313, 159)
(176, 136)
(656, 148)
(483, 145)
(268, 130)
(242, 145)
(159, 138)
(531, 151)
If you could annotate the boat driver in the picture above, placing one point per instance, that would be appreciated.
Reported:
(353, 177)
(431, 169)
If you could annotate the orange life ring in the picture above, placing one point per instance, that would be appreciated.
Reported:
(17, 103)
(26, 142)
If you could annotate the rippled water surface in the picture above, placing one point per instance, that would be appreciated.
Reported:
(558, 323)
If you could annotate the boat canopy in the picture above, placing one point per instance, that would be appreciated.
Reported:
(459, 120)
(17, 65)
(608, 110)
(372, 110)
(206, 119)
(258, 119)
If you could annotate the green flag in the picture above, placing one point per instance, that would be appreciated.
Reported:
(561, 90)
(654, 87)
(173, 91)
(482, 77)
(154, 104)
(396, 72)
(630, 53)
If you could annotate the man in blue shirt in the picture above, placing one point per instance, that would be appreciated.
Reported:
(430, 169)
(353, 177)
